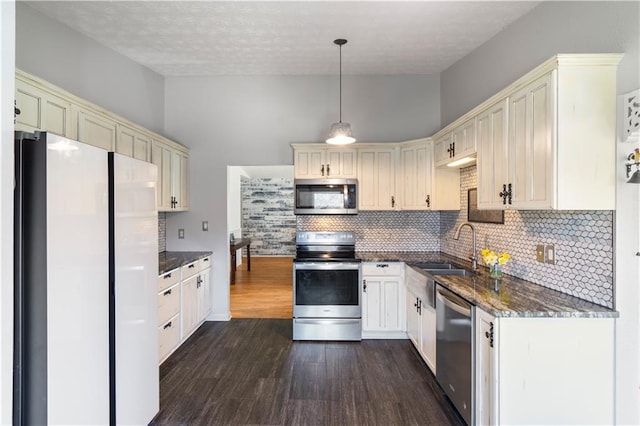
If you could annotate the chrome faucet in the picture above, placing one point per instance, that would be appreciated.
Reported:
(456, 236)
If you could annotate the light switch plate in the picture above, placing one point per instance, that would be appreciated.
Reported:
(205, 225)
(540, 253)
(181, 234)
(551, 253)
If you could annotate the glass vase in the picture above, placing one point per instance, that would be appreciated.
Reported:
(495, 271)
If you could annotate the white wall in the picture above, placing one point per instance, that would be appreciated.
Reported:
(251, 121)
(80, 65)
(573, 27)
(7, 92)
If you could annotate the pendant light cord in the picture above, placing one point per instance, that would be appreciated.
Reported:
(341, 83)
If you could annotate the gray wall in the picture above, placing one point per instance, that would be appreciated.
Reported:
(78, 64)
(550, 28)
(252, 120)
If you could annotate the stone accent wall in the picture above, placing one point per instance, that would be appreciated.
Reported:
(267, 216)
(382, 230)
(583, 245)
(162, 232)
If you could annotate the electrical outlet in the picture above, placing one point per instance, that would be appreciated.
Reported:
(205, 225)
(551, 254)
(540, 253)
(181, 233)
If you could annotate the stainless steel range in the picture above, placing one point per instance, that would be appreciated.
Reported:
(326, 287)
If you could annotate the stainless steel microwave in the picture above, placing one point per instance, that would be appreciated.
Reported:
(326, 196)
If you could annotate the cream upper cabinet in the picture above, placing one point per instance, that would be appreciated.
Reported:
(41, 110)
(161, 156)
(457, 144)
(180, 180)
(560, 138)
(173, 176)
(376, 179)
(492, 134)
(415, 180)
(420, 184)
(133, 143)
(95, 129)
(314, 161)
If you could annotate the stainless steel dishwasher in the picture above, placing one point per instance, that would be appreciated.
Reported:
(454, 327)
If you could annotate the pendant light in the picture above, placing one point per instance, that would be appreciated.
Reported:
(340, 133)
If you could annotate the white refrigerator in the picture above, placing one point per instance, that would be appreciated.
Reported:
(86, 264)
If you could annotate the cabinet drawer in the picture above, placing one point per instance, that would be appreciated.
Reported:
(168, 303)
(168, 279)
(168, 336)
(204, 263)
(382, 268)
(190, 270)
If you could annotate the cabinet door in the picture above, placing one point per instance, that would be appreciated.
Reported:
(486, 375)
(206, 284)
(530, 146)
(381, 304)
(142, 147)
(428, 346)
(309, 164)
(492, 155)
(180, 180)
(372, 304)
(341, 163)
(125, 140)
(96, 130)
(464, 139)
(416, 177)
(41, 110)
(161, 157)
(376, 179)
(189, 309)
(441, 150)
(201, 302)
(414, 323)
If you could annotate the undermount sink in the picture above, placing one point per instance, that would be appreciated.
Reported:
(432, 265)
(449, 272)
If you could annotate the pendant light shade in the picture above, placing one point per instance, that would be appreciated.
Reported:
(340, 133)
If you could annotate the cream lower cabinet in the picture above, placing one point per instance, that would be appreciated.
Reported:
(559, 138)
(168, 313)
(196, 295)
(533, 370)
(383, 300)
(376, 179)
(421, 321)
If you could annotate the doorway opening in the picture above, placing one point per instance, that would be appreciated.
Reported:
(260, 207)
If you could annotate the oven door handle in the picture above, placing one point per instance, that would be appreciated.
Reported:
(328, 321)
(328, 266)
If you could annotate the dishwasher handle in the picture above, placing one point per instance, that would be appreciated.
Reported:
(454, 302)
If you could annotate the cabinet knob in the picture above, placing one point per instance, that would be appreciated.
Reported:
(167, 276)
(428, 201)
(328, 170)
(364, 286)
(166, 293)
(393, 201)
(167, 325)
(322, 170)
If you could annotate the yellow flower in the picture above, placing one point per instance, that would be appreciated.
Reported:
(491, 258)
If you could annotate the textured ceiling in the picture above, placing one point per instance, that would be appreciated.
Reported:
(288, 38)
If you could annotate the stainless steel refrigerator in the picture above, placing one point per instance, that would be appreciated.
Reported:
(86, 264)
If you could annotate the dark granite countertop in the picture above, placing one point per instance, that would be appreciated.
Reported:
(514, 298)
(170, 260)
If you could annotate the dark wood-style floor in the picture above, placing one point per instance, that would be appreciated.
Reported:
(250, 372)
